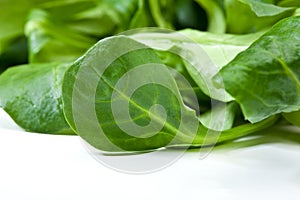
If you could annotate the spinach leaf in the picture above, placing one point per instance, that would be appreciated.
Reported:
(13, 48)
(293, 117)
(214, 118)
(288, 3)
(31, 95)
(195, 46)
(246, 16)
(100, 18)
(131, 119)
(114, 100)
(64, 30)
(175, 62)
(50, 40)
(264, 79)
(221, 48)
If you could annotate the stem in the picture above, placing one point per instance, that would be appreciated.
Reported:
(206, 137)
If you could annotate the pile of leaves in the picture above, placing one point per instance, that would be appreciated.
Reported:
(62, 62)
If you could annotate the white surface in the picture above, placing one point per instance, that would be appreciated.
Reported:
(51, 167)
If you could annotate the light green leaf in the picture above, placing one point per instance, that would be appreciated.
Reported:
(202, 53)
(50, 40)
(220, 117)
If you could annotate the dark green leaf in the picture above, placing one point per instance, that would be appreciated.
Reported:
(93, 97)
(265, 79)
(31, 95)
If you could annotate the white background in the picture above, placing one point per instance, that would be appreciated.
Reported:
(51, 167)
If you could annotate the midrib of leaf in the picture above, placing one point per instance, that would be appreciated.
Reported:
(125, 121)
(255, 96)
(156, 118)
(285, 67)
(289, 72)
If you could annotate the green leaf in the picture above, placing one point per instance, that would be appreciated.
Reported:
(264, 79)
(13, 48)
(202, 53)
(175, 62)
(99, 90)
(31, 95)
(142, 16)
(289, 3)
(221, 48)
(220, 117)
(161, 15)
(216, 15)
(64, 30)
(118, 98)
(50, 40)
(246, 16)
(293, 117)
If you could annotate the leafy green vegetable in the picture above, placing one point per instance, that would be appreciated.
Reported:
(184, 14)
(13, 49)
(50, 40)
(174, 61)
(140, 91)
(207, 137)
(220, 48)
(118, 116)
(12, 18)
(213, 118)
(293, 117)
(246, 16)
(216, 15)
(264, 79)
(31, 95)
(63, 31)
(289, 3)
(154, 128)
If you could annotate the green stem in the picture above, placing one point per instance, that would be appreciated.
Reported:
(206, 137)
